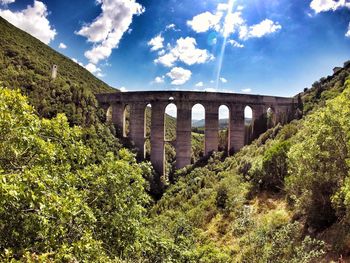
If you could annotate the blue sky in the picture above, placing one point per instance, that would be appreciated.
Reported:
(273, 47)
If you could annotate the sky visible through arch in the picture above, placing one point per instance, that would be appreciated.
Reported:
(271, 47)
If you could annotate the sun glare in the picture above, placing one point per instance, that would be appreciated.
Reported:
(222, 52)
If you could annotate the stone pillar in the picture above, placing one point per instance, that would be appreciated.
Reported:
(157, 137)
(137, 124)
(258, 111)
(211, 128)
(259, 121)
(118, 117)
(282, 114)
(183, 135)
(237, 128)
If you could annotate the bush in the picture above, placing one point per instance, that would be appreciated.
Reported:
(268, 172)
(318, 162)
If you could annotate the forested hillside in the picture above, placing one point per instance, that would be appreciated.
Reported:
(26, 63)
(284, 198)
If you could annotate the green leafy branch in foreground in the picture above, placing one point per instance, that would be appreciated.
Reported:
(57, 201)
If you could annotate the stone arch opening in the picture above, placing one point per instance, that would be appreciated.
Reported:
(170, 117)
(248, 124)
(126, 121)
(270, 117)
(198, 132)
(224, 128)
(147, 131)
(109, 114)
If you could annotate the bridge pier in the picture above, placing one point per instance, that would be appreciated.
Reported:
(259, 122)
(237, 128)
(183, 135)
(157, 137)
(137, 126)
(211, 128)
(118, 116)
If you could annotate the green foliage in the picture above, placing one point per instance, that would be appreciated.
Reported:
(325, 89)
(318, 161)
(269, 171)
(282, 244)
(58, 200)
(26, 63)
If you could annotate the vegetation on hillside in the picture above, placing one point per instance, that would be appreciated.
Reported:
(69, 192)
(60, 202)
(26, 63)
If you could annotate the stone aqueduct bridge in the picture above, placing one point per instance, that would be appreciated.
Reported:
(115, 103)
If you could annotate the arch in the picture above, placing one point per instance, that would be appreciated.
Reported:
(270, 117)
(224, 128)
(109, 114)
(126, 120)
(170, 119)
(198, 131)
(147, 131)
(170, 115)
(248, 124)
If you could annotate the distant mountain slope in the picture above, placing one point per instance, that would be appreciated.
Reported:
(26, 63)
(222, 123)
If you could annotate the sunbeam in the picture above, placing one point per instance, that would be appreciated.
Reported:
(222, 51)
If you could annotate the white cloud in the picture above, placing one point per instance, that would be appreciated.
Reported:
(167, 60)
(78, 62)
(232, 22)
(159, 80)
(108, 28)
(212, 89)
(179, 75)
(123, 89)
(205, 21)
(93, 69)
(156, 43)
(234, 43)
(265, 27)
(227, 22)
(247, 90)
(6, 2)
(33, 20)
(186, 51)
(327, 5)
(172, 27)
(199, 84)
(348, 33)
(100, 75)
(62, 46)
(161, 52)
(223, 80)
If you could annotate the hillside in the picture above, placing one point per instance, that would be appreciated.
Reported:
(284, 198)
(26, 63)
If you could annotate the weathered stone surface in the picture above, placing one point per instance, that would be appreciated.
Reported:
(282, 108)
(183, 134)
